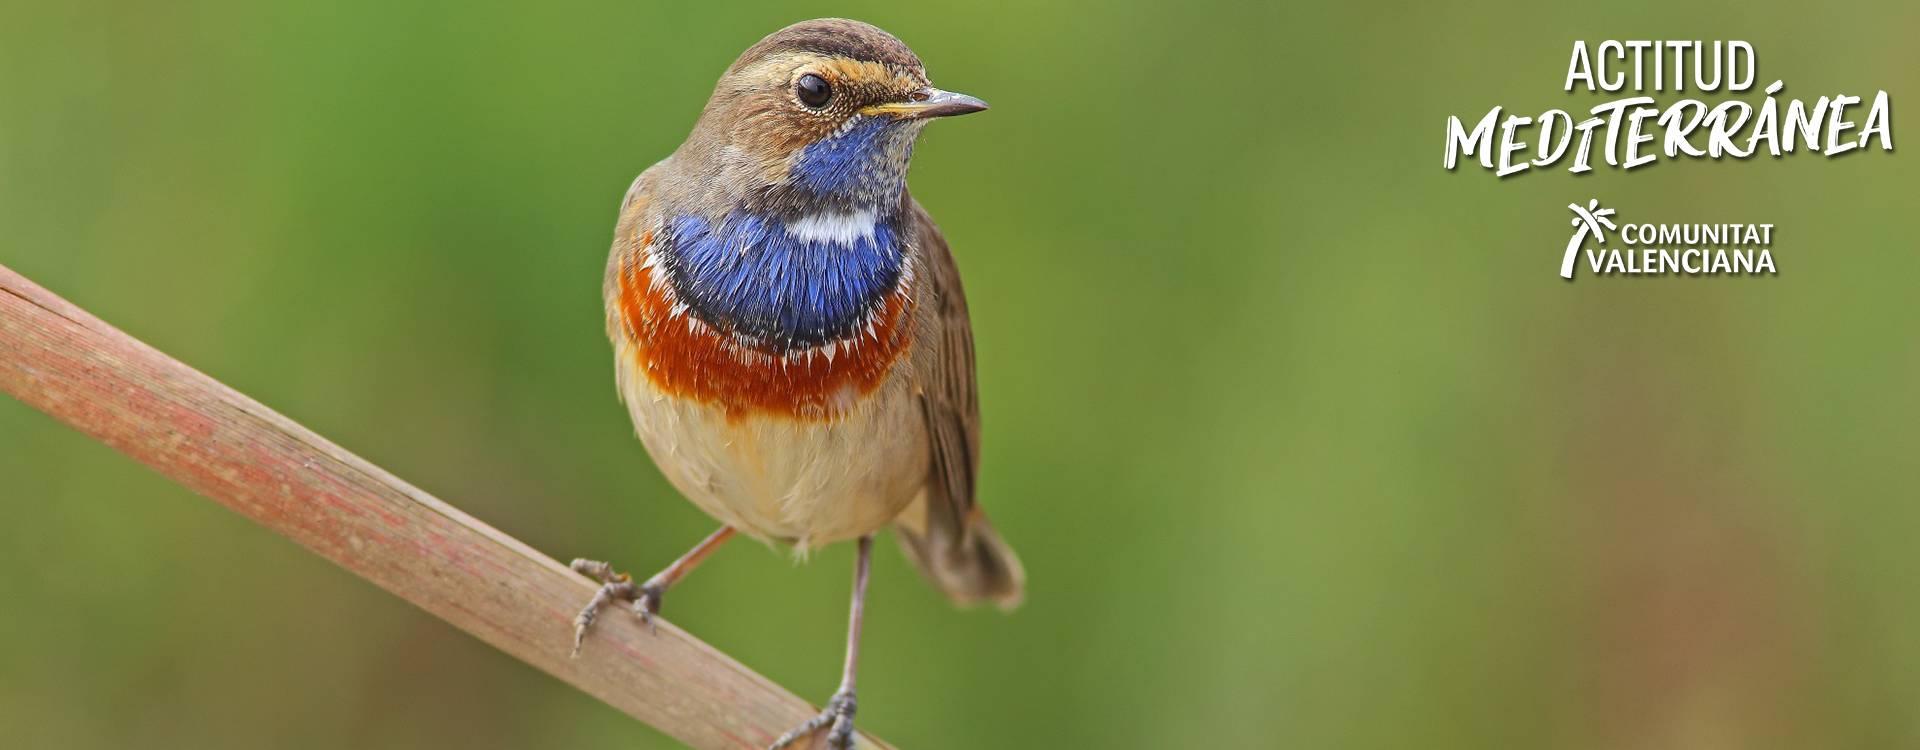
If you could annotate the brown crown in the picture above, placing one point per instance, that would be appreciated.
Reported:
(834, 37)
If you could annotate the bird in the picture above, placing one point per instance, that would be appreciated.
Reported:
(790, 334)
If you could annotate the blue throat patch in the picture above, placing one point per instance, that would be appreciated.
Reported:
(749, 275)
(854, 161)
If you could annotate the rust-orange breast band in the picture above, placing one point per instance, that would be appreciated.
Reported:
(686, 357)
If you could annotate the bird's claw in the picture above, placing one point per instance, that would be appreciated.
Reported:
(838, 713)
(614, 586)
(647, 605)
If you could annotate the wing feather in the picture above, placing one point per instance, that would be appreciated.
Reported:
(943, 531)
(949, 391)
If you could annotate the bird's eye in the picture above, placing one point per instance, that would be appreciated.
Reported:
(813, 91)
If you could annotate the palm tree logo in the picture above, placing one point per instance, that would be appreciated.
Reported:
(1586, 221)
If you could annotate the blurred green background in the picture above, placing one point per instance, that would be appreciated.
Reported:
(1301, 439)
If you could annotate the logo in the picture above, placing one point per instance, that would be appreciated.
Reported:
(1635, 130)
(1665, 249)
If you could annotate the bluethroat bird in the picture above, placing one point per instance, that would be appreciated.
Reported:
(789, 332)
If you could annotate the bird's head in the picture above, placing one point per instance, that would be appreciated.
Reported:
(822, 113)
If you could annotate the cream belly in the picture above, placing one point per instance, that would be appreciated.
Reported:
(808, 483)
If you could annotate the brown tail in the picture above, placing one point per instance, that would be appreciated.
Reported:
(969, 564)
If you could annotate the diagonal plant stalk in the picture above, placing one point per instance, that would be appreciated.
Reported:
(194, 430)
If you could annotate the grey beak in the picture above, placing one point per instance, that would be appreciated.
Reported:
(949, 103)
(936, 103)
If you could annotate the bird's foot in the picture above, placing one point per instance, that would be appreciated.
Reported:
(838, 713)
(614, 586)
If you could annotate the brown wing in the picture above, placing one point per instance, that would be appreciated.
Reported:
(943, 532)
(949, 394)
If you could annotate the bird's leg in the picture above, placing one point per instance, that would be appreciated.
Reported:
(839, 710)
(645, 597)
